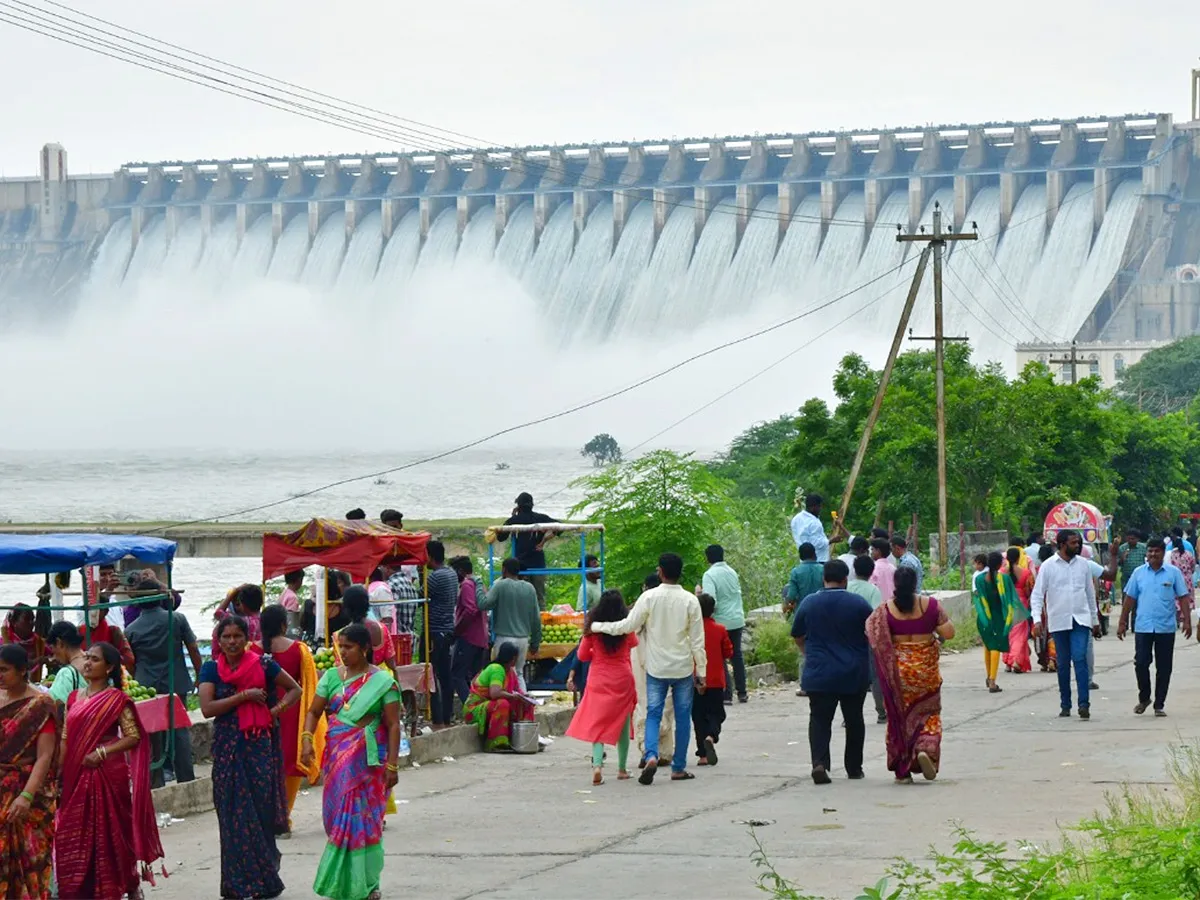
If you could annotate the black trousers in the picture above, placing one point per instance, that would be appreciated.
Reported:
(466, 662)
(439, 657)
(821, 708)
(739, 666)
(708, 712)
(1162, 648)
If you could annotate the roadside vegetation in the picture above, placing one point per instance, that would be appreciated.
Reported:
(1144, 845)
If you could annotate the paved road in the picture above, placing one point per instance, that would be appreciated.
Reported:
(517, 827)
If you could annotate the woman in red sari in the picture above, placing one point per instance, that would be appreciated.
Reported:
(107, 838)
(28, 743)
(1017, 660)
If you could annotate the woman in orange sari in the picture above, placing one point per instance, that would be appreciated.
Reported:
(903, 635)
(28, 789)
(107, 836)
(1017, 660)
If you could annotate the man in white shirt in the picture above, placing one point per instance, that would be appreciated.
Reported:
(1066, 590)
(807, 527)
(673, 650)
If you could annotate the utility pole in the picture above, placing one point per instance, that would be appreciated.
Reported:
(1072, 361)
(873, 416)
(938, 241)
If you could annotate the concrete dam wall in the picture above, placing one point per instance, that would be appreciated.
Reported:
(618, 240)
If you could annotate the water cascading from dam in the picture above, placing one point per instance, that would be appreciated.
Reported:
(254, 319)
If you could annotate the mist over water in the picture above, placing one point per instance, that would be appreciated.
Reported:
(351, 342)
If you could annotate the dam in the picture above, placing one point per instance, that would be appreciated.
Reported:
(1088, 228)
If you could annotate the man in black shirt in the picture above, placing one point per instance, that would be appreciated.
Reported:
(529, 544)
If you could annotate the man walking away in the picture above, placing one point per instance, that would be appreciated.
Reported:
(806, 578)
(669, 616)
(516, 618)
(884, 575)
(157, 653)
(722, 582)
(904, 557)
(859, 546)
(860, 583)
(807, 527)
(1066, 591)
(830, 628)
(442, 586)
(1156, 586)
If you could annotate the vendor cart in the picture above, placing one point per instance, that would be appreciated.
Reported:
(1095, 528)
(51, 554)
(356, 547)
(548, 668)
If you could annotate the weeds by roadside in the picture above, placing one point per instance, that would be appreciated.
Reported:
(1145, 845)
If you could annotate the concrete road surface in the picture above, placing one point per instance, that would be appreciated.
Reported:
(517, 827)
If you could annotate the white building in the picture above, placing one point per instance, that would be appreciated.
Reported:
(1106, 359)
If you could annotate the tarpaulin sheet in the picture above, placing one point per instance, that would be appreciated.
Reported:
(354, 546)
(34, 554)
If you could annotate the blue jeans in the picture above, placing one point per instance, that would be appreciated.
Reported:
(1071, 648)
(656, 698)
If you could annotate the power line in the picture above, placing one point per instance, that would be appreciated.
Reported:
(547, 418)
(983, 308)
(27, 17)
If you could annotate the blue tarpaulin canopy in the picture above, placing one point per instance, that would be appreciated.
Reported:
(34, 554)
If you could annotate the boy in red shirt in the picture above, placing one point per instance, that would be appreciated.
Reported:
(708, 704)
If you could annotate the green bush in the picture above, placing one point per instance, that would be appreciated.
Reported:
(1144, 846)
(771, 642)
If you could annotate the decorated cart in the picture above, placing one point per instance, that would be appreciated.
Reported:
(1095, 529)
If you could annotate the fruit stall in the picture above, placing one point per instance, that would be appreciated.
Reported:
(562, 627)
(51, 554)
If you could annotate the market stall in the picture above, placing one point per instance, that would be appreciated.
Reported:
(1078, 516)
(357, 547)
(548, 667)
(51, 554)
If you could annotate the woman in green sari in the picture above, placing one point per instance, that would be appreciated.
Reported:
(997, 609)
(362, 748)
(496, 701)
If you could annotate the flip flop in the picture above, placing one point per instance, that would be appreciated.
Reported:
(647, 776)
(710, 753)
(685, 775)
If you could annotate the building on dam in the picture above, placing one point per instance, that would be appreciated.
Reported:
(1089, 228)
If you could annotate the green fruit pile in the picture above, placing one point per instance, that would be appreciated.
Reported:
(137, 691)
(561, 634)
(323, 659)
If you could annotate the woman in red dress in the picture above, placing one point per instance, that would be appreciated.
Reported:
(294, 658)
(605, 715)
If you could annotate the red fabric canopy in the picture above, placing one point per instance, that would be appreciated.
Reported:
(354, 546)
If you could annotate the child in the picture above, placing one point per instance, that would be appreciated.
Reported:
(604, 715)
(708, 706)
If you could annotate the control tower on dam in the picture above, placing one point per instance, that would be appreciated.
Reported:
(1075, 217)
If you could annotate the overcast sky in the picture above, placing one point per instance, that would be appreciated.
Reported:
(543, 72)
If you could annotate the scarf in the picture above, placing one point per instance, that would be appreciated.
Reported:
(248, 676)
(355, 711)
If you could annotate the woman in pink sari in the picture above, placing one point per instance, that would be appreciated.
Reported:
(1017, 660)
(106, 837)
(903, 636)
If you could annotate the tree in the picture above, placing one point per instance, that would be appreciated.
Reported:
(603, 449)
(752, 461)
(658, 503)
(1165, 379)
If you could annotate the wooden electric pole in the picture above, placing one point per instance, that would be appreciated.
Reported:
(1072, 361)
(937, 239)
(873, 416)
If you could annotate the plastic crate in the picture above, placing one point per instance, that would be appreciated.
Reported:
(404, 649)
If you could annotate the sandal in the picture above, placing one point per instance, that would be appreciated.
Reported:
(623, 775)
(597, 776)
(685, 775)
(647, 776)
(710, 752)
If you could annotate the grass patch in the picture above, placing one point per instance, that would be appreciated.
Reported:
(1144, 845)
(966, 634)
(771, 642)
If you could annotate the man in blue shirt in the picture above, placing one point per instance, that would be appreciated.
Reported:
(806, 578)
(905, 557)
(1155, 586)
(830, 629)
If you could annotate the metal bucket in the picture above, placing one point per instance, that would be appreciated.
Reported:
(525, 737)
